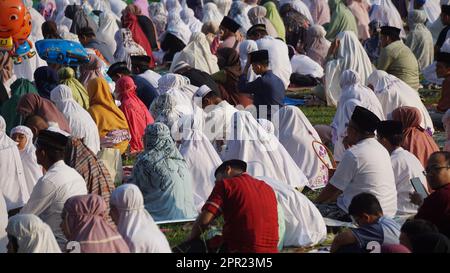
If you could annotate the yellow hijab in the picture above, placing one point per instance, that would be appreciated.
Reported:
(104, 111)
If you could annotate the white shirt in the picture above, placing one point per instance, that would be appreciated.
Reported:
(406, 166)
(279, 61)
(151, 76)
(50, 193)
(366, 168)
(304, 65)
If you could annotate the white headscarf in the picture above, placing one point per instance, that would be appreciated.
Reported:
(190, 20)
(223, 6)
(238, 14)
(12, 178)
(262, 151)
(3, 224)
(201, 157)
(197, 54)
(158, 14)
(387, 14)
(80, 121)
(350, 55)
(246, 47)
(353, 94)
(61, 18)
(135, 224)
(32, 234)
(107, 29)
(432, 9)
(178, 28)
(164, 110)
(127, 47)
(301, 7)
(419, 38)
(65, 34)
(393, 93)
(32, 170)
(297, 134)
(212, 14)
(117, 6)
(181, 88)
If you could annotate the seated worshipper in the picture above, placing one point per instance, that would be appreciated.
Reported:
(265, 155)
(431, 243)
(27, 233)
(227, 34)
(257, 15)
(13, 185)
(405, 165)
(158, 14)
(180, 87)
(372, 45)
(79, 19)
(45, 79)
(84, 221)
(137, 115)
(295, 24)
(436, 207)
(341, 20)
(165, 109)
(170, 44)
(238, 12)
(80, 95)
(365, 167)
(353, 94)
(277, 50)
(107, 28)
(297, 135)
(141, 69)
(80, 121)
(442, 71)
(274, 17)
(268, 90)
(8, 109)
(188, 16)
(32, 104)
(3, 224)
(59, 183)
(134, 223)
(211, 13)
(372, 226)
(394, 93)
(126, 46)
(197, 54)
(388, 15)
(360, 9)
(196, 77)
(50, 30)
(316, 45)
(228, 77)
(111, 122)
(144, 90)
(147, 26)
(396, 58)
(246, 47)
(90, 71)
(419, 38)
(445, 19)
(250, 226)
(201, 158)
(346, 52)
(31, 169)
(305, 71)
(88, 40)
(413, 228)
(162, 175)
(415, 139)
(219, 114)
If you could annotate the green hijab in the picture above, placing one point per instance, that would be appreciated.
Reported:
(9, 108)
(275, 18)
(342, 19)
(66, 76)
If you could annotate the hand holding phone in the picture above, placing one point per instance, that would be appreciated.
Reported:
(419, 188)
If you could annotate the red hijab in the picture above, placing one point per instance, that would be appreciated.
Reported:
(137, 114)
(415, 139)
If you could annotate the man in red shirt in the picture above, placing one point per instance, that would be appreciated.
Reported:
(436, 207)
(249, 208)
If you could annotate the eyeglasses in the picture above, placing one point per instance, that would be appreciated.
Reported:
(431, 169)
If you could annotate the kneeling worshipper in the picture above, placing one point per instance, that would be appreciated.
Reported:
(27, 233)
(33, 104)
(111, 122)
(45, 79)
(405, 165)
(304, 225)
(89, 71)
(249, 208)
(415, 139)
(394, 93)
(316, 45)
(303, 143)
(80, 95)
(175, 38)
(262, 151)
(147, 26)
(419, 38)
(228, 77)
(387, 14)
(365, 167)
(164, 109)
(360, 9)
(197, 54)
(162, 175)
(195, 76)
(201, 158)
(341, 20)
(188, 16)
(353, 94)
(3, 224)
(81, 123)
(134, 223)
(182, 90)
(268, 90)
(228, 29)
(84, 221)
(31, 169)
(346, 52)
(59, 183)
(372, 45)
(257, 15)
(126, 46)
(305, 71)
(13, 184)
(137, 115)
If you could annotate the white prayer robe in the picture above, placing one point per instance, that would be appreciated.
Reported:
(304, 65)
(218, 123)
(3, 224)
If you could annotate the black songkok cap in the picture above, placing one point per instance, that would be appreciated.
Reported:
(390, 31)
(230, 24)
(259, 56)
(443, 57)
(119, 67)
(141, 59)
(51, 140)
(389, 128)
(445, 9)
(255, 28)
(365, 119)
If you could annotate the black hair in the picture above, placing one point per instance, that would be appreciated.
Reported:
(393, 37)
(86, 32)
(142, 67)
(234, 164)
(414, 227)
(262, 62)
(365, 203)
(395, 140)
(118, 68)
(54, 155)
(443, 153)
(258, 31)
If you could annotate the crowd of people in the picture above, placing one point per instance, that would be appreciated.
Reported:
(194, 92)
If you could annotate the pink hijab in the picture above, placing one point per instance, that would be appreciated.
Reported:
(143, 6)
(90, 70)
(85, 221)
